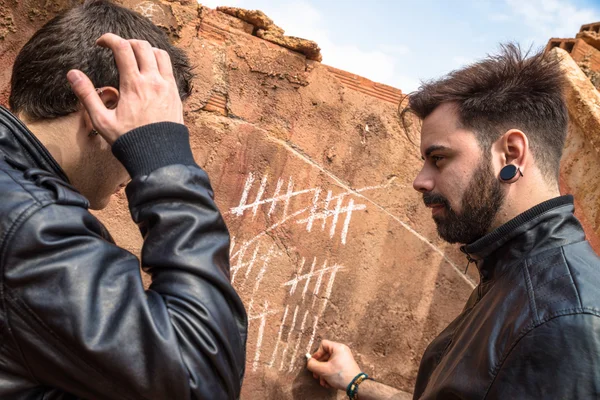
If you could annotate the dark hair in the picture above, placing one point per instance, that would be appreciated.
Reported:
(39, 87)
(510, 90)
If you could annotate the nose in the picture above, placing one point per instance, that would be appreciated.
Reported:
(423, 182)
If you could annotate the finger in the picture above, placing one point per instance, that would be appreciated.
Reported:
(165, 68)
(329, 346)
(86, 93)
(144, 55)
(323, 382)
(319, 353)
(123, 53)
(315, 376)
(317, 367)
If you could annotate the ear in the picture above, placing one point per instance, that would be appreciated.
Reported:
(513, 147)
(110, 97)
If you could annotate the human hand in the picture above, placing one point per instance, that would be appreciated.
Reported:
(334, 365)
(148, 91)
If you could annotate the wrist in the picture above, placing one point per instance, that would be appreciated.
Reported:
(355, 383)
(153, 146)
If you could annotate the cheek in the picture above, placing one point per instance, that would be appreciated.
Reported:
(453, 188)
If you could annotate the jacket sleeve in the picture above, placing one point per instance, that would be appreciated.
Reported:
(78, 311)
(559, 359)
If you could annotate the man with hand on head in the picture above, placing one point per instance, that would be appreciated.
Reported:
(75, 320)
(491, 139)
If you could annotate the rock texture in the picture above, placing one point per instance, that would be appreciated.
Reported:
(581, 157)
(584, 49)
(313, 173)
(266, 29)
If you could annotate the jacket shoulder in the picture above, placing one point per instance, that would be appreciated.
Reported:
(25, 190)
(564, 280)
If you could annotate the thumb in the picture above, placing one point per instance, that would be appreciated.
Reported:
(86, 93)
(317, 367)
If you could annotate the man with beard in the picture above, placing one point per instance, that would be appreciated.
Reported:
(491, 140)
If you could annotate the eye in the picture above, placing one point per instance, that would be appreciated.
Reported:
(436, 159)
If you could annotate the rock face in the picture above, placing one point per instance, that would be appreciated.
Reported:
(581, 156)
(265, 28)
(584, 49)
(313, 173)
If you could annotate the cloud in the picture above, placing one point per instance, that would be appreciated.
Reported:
(378, 63)
(499, 17)
(552, 18)
(398, 49)
(408, 84)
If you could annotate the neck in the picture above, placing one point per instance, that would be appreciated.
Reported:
(52, 134)
(521, 198)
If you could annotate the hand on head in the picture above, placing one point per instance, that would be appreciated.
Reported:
(334, 365)
(148, 91)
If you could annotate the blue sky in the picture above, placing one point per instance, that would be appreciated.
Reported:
(403, 42)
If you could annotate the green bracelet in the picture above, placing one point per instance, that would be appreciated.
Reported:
(352, 389)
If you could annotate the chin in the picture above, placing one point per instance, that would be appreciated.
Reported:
(99, 204)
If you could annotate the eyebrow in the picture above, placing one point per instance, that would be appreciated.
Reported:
(433, 148)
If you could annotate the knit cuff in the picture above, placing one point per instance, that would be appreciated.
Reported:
(150, 147)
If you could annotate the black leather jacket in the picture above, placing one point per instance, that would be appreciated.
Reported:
(531, 328)
(75, 320)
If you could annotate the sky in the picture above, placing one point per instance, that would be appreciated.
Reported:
(402, 43)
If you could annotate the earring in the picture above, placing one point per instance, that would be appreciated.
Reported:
(509, 172)
(93, 133)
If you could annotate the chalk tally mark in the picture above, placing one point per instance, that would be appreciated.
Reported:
(318, 209)
(310, 288)
(310, 319)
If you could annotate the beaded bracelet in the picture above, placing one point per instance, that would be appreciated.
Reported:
(352, 389)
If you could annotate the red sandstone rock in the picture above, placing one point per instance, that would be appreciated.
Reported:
(313, 173)
(310, 49)
(253, 17)
(591, 38)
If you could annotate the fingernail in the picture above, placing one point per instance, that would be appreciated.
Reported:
(73, 76)
(308, 356)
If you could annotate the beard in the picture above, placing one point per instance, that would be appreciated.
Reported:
(480, 203)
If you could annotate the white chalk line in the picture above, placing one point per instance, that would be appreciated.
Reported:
(307, 277)
(247, 244)
(239, 210)
(260, 276)
(295, 283)
(274, 356)
(275, 195)
(313, 214)
(326, 298)
(289, 336)
(261, 191)
(318, 285)
(261, 331)
(295, 354)
(299, 154)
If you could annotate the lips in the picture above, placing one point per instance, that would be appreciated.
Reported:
(436, 208)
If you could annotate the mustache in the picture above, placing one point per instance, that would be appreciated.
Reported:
(434, 198)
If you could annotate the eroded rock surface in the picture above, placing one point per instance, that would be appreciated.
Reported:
(313, 173)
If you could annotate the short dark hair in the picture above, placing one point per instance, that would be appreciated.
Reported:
(39, 87)
(511, 90)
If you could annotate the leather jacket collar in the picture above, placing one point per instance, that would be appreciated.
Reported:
(20, 145)
(548, 224)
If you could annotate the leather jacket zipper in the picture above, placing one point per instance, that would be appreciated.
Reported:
(469, 259)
